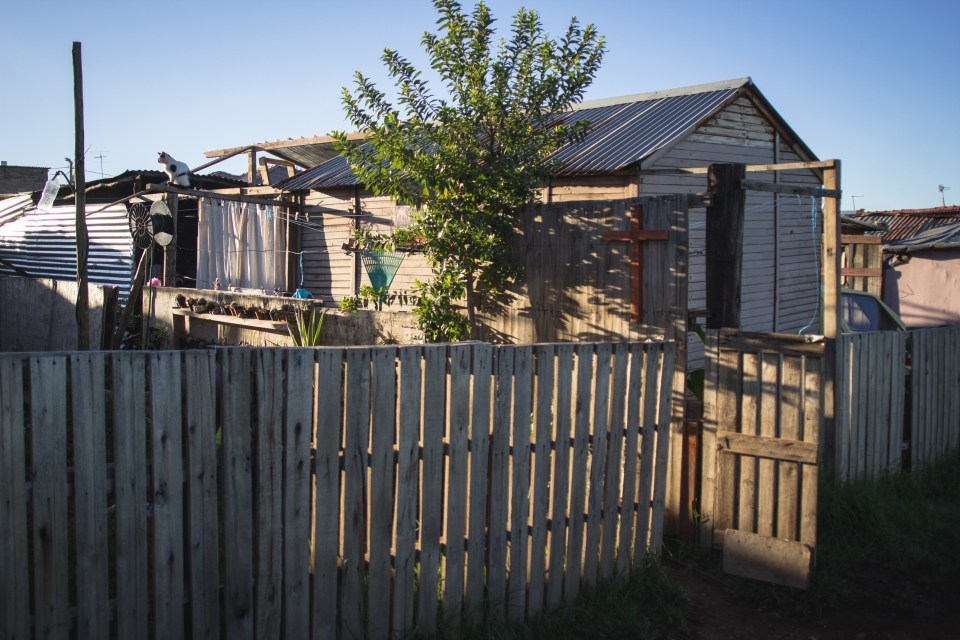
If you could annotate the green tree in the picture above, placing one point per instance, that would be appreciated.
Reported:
(469, 162)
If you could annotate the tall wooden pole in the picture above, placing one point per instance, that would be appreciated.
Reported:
(725, 244)
(831, 314)
(79, 189)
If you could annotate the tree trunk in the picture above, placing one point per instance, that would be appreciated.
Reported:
(471, 308)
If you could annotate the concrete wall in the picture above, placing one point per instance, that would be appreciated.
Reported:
(340, 328)
(925, 291)
(22, 179)
(39, 314)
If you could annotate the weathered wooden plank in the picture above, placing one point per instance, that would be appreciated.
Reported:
(268, 494)
(897, 389)
(648, 438)
(598, 464)
(48, 444)
(357, 427)
(499, 484)
(770, 366)
(863, 405)
(784, 344)
(812, 424)
(329, 403)
(663, 447)
(130, 491)
(297, 436)
(788, 494)
(14, 560)
(202, 541)
(166, 446)
(579, 478)
(236, 449)
(87, 381)
(431, 489)
(728, 374)
(749, 425)
(560, 484)
(874, 349)
(541, 477)
(456, 506)
(844, 401)
(631, 460)
(612, 482)
(479, 450)
(708, 445)
(767, 559)
(520, 483)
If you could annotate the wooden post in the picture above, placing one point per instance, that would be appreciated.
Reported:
(79, 190)
(724, 244)
(251, 166)
(170, 251)
(831, 313)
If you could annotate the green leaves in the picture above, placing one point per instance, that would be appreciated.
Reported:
(470, 162)
(308, 327)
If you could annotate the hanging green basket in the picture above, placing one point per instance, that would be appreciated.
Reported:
(381, 267)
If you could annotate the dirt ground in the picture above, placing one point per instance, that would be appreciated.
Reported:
(716, 613)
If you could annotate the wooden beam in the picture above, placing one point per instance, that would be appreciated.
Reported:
(750, 168)
(756, 185)
(282, 144)
(766, 447)
(861, 272)
(858, 239)
(831, 317)
(724, 244)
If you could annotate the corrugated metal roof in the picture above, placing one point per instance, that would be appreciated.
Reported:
(943, 237)
(44, 245)
(623, 131)
(903, 224)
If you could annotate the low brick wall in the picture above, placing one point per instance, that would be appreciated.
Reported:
(340, 328)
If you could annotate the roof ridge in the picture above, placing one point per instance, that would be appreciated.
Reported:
(721, 85)
(928, 211)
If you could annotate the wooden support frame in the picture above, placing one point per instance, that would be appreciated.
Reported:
(725, 220)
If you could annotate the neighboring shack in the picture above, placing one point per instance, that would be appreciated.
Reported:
(16, 179)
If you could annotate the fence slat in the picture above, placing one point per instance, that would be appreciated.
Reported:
(560, 486)
(87, 381)
(499, 484)
(479, 449)
(166, 429)
(460, 356)
(541, 478)
(631, 460)
(384, 402)
(651, 380)
(578, 488)
(48, 385)
(663, 447)
(788, 495)
(520, 485)
(268, 492)
(843, 423)
(770, 367)
(598, 464)
(729, 370)
(357, 427)
(14, 567)
(200, 380)
(431, 491)
(810, 473)
(130, 491)
(612, 484)
(235, 394)
(751, 414)
(298, 432)
(329, 400)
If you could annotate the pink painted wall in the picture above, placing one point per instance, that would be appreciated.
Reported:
(926, 290)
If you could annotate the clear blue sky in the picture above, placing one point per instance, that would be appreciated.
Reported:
(874, 83)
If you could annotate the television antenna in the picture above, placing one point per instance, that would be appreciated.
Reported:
(941, 189)
(854, 198)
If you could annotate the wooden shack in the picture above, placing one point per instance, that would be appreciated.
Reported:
(640, 145)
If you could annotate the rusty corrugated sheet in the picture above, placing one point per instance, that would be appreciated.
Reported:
(906, 223)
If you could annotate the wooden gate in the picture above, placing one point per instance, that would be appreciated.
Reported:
(763, 415)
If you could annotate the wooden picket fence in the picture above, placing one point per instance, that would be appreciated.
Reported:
(884, 415)
(360, 492)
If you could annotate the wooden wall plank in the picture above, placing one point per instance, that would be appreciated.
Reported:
(14, 560)
(130, 489)
(479, 450)
(407, 490)
(664, 421)
(203, 525)
(166, 446)
(236, 448)
(520, 483)
(297, 429)
(543, 421)
(357, 438)
(598, 464)
(268, 491)
(708, 442)
(560, 485)
(431, 490)
(88, 385)
(456, 504)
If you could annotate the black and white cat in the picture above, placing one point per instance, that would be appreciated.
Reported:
(177, 172)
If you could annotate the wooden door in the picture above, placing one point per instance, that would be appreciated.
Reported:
(763, 416)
